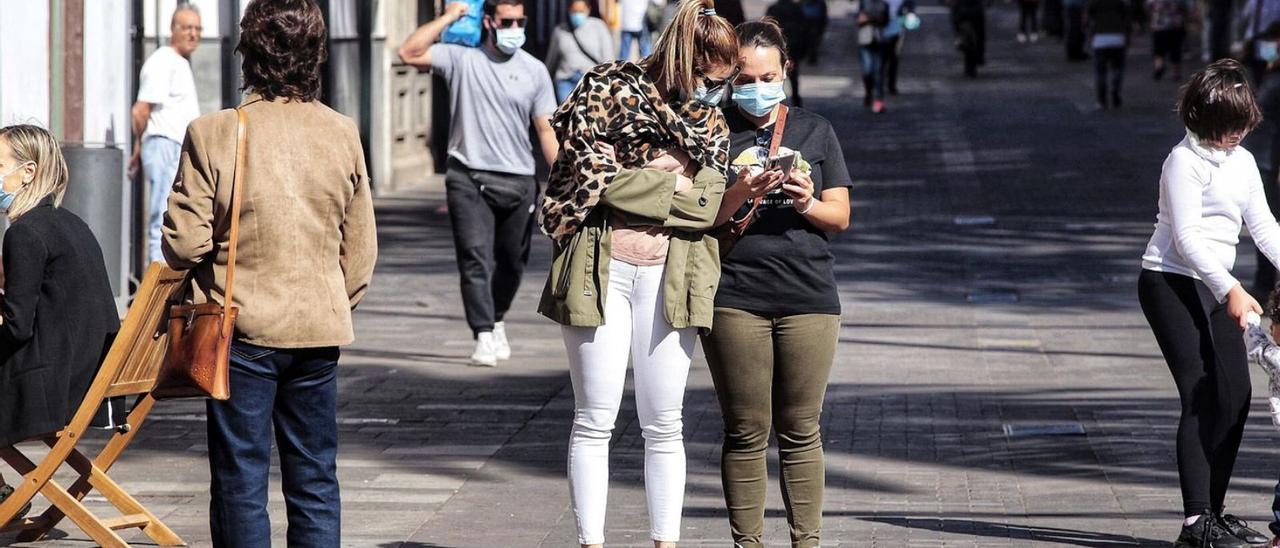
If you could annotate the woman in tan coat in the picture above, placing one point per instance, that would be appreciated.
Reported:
(306, 252)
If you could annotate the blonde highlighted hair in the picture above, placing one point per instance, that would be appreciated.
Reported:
(36, 145)
(695, 41)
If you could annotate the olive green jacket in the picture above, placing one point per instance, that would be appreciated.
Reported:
(575, 290)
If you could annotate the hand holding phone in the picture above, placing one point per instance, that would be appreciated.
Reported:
(783, 162)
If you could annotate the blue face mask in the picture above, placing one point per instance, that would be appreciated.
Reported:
(713, 98)
(509, 41)
(6, 197)
(577, 19)
(1268, 51)
(758, 99)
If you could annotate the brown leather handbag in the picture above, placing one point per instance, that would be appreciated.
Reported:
(196, 363)
(729, 233)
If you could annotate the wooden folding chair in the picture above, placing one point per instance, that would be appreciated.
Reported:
(129, 369)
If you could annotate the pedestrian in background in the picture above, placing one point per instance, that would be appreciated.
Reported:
(1075, 39)
(777, 313)
(1265, 141)
(901, 15)
(633, 271)
(1028, 22)
(302, 267)
(969, 22)
(817, 19)
(796, 26)
(57, 312)
(166, 103)
(872, 18)
(495, 92)
(577, 46)
(1110, 22)
(1209, 190)
(635, 28)
(1169, 20)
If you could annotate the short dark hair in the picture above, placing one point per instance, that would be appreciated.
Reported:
(765, 33)
(1218, 101)
(491, 6)
(283, 43)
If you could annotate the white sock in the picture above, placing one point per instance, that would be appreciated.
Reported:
(1190, 521)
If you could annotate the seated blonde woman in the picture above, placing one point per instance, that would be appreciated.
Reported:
(58, 315)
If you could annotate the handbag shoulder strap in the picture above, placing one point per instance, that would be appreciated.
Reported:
(237, 193)
(574, 33)
(779, 125)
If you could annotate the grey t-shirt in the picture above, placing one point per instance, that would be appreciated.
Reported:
(493, 101)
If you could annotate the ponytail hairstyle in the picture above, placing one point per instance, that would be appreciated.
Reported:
(765, 33)
(697, 39)
(33, 144)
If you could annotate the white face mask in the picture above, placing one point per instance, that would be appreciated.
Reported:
(509, 41)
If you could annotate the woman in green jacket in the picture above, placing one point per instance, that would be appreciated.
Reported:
(637, 184)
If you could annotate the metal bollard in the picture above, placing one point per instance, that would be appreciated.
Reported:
(96, 193)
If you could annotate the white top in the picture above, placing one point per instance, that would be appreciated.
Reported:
(168, 84)
(633, 12)
(1206, 195)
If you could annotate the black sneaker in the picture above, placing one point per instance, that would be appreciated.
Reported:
(1240, 529)
(7, 491)
(1206, 533)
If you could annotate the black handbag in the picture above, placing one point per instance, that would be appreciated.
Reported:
(500, 191)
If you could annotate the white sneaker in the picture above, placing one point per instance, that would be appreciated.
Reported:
(1022, 38)
(486, 353)
(1035, 37)
(500, 345)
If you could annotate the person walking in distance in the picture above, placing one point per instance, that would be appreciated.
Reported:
(1075, 36)
(1110, 22)
(166, 103)
(873, 18)
(777, 311)
(495, 92)
(578, 46)
(902, 17)
(1028, 21)
(1169, 19)
(635, 28)
(633, 270)
(1209, 190)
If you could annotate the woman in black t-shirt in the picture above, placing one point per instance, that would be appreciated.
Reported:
(777, 314)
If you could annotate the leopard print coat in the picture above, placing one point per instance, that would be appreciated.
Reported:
(617, 103)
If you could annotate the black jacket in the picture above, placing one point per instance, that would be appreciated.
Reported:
(58, 320)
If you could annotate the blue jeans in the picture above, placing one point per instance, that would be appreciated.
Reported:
(642, 36)
(565, 87)
(872, 58)
(296, 391)
(160, 157)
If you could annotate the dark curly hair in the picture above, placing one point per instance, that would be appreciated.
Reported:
(282, 43)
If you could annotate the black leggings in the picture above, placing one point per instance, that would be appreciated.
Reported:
(1205, 352)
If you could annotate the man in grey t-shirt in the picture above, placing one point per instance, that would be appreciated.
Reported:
(495, 91)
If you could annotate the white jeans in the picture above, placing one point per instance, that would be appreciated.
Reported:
(634, 327)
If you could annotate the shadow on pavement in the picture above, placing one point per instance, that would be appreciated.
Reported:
(1034, 533)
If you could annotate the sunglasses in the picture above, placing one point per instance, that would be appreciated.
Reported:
(511, 22)
(713, 85)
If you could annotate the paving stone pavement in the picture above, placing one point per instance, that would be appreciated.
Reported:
(989, 289)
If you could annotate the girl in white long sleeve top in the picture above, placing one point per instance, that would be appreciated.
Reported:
(1209, 189)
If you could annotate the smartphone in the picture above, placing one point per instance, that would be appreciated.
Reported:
(783, 162)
